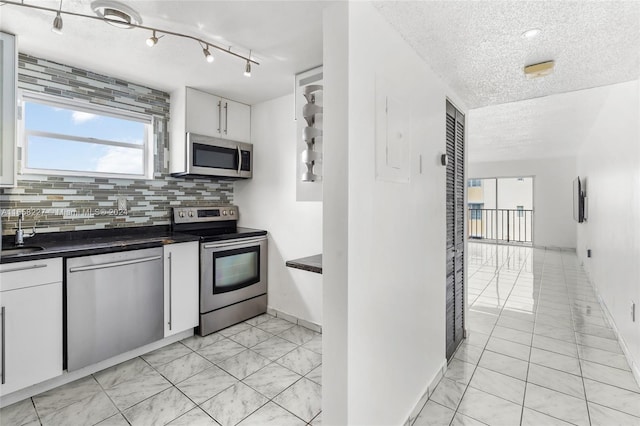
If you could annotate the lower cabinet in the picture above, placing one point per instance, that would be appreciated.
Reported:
(181, 286)
(31, 323)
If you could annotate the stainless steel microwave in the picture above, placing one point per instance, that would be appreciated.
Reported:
(209, 156)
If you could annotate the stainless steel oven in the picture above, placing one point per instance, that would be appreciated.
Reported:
(233, 281)
(233, 265)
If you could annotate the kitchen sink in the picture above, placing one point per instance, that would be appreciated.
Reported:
(20, 250)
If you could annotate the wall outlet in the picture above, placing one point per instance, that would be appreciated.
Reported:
(122, 203)
(633, 311)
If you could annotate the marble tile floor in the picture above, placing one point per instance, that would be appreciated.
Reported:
(539, 349)
(264, 371)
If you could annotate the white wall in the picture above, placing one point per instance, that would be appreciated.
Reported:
(609, 161)
(335, 343)
(268, 201)
(553, 224)
(394, 234)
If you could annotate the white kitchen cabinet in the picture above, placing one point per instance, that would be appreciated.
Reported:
(210, 115)
(8, 58)
(202, 113)
(31, 305)
(237, 121)
(181, 286)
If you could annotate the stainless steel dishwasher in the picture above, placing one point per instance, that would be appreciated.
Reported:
(114, 304)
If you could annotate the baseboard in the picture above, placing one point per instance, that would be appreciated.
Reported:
(568, 249)
(635, 366)
(65, 377)
(292, 318)
(431, 386)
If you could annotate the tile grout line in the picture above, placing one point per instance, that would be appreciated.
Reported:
(526, 382)
(573, 319)
(483, 348)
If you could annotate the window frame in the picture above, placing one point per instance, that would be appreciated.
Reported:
(147, 147)
(471, 183)
(520, 210)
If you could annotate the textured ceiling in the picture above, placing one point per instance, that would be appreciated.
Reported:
(285, 37)
(477, 49)
(551, 126)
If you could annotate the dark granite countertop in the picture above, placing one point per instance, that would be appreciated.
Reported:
(310, 263)
(84, 243)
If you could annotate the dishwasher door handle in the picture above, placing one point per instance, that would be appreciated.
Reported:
(114, 264)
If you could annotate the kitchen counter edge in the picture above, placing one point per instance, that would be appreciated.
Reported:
(132, 239)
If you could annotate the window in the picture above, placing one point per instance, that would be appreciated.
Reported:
(520, 211)
(474, 182)
(64, 137)
(476, 211)
(520, 179)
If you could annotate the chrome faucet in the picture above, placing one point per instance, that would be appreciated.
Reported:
(20, 235)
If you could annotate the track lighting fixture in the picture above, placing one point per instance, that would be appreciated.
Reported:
(57, 24)
(151, 41)
(208, 56)
(57, 21)
(122, 16)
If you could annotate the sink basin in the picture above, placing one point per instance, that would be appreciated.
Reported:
(20, 250)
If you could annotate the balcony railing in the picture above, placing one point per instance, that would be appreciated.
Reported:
(502, 225)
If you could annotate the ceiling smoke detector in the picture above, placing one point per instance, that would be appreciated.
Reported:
(117, 14)
(539, 70)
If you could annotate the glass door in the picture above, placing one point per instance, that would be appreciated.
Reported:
(235, 269)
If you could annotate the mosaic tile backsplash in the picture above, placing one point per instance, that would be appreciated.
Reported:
(66, 203)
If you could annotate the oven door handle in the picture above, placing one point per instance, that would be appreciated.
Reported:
(234, 243)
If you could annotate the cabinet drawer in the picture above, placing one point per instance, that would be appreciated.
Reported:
(18, 275)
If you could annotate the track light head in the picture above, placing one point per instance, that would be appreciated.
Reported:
(153, 40)
(208, 56)
(247, 69)
(57, 24)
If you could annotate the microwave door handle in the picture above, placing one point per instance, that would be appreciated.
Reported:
(239, 158)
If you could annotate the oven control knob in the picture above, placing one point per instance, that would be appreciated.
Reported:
(224, 212)
(181, 214)
(190, 214)
(231, 212)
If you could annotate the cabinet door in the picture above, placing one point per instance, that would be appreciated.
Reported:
(236, 124)
(7, 109)
(32, 335)
(181, 285)
(204, 113)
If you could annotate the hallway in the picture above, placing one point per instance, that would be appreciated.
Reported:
(539, 349)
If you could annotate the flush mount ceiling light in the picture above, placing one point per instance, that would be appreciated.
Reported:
(532, 33)
(122, 16)
(539, 70)
(117, 14)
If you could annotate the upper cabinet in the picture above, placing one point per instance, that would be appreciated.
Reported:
(8, 81)
(209, 115)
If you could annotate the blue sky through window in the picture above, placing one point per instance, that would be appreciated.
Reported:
(60, 154)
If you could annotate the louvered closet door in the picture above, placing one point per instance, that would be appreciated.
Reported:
(455, 229)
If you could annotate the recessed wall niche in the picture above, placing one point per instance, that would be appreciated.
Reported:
(308, 113)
